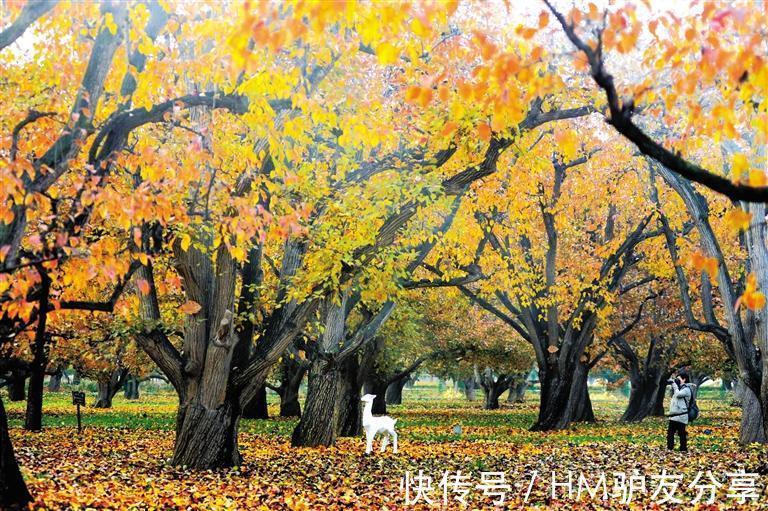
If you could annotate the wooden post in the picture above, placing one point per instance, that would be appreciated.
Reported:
(78, 398)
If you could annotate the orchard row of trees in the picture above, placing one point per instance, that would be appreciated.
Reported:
(230, 189)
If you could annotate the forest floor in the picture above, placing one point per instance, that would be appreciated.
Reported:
(120, 459)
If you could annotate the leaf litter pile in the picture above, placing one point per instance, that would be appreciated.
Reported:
(113, 467)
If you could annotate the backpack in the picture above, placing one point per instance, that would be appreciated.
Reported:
(693, 408)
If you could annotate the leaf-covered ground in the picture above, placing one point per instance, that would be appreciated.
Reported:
(119, 461)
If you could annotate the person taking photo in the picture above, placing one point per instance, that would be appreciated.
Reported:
(682, 396)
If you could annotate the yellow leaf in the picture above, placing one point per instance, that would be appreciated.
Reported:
(186, 240)
(109, 22)
(387, 54)
(737, 219)
(756, 178)
(739, 165)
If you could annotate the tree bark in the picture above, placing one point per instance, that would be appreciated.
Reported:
(517, 388)
(131, 388)
(564, 398)
(54, 382)
(350, 411)
(751, 429)
(257, 406)
(109, 386)
(319, 422)
(104, 398)
(17, 387)
(378, 387)
(33, 421)
(469, 389)
(394, 393)
(658, 407)
(492, 398)
(291, 376)
(643, 396)
(579, 398)
(13, 489)
(493, 388)
(207, 437)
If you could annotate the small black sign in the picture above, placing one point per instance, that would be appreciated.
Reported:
(78, 398)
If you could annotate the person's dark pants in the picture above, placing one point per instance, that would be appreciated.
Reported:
(677, 428)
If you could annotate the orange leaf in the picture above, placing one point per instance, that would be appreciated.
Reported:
(484, 131)
(143, 286)
(190, 307)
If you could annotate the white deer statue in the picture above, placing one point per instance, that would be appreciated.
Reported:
(374, 425)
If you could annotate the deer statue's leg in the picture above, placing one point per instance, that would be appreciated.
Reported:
(394, 441)
(384, 442)
(368, 442)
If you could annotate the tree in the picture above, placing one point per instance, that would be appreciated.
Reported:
(731, 72)
(539, 274)
(479, 344)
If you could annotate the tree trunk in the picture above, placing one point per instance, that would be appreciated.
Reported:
(469, 389)
(257, 407)
(33, 420)
(207, 438)
(289, 401)
(378, 387)
(350, 411)
(319, 422)
(104, 399)
(109, 385)
(13, 490)
(751, 429)
(34, 416)
(291, 377)
(17, 387)
(76, 378)
(517, 389)
(738, 393)
(394, 393)
(564, 398)
(493, 388)
(131, 388)
(580, 399)
(54, 382)
(492, 397)
(642, 399)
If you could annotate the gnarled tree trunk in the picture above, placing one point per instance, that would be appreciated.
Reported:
(394, 393)
(564, 398)
(13, 490)
(17, 383)
(751, 429)
(319, 422)
(517, 388)
(493, 387)
(469, 388)
(109, 386)
(54, 382)
(131, 387)
(256, 408)
(207, 437)
(291, 375)
(350, 411)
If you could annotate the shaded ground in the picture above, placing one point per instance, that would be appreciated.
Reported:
(119, 460)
